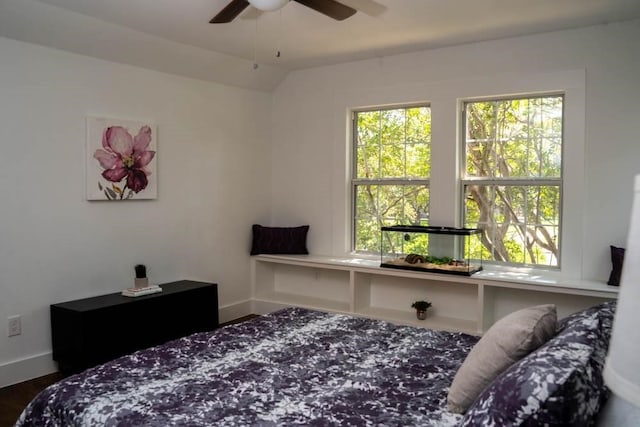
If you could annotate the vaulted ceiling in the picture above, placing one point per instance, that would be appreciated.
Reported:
(175, 35)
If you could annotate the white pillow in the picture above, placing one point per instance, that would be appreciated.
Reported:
(507, 341)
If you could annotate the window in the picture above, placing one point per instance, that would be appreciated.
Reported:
(512, 178)
(390, 174)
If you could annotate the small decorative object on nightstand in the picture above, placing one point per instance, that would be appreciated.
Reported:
(141, 280)
(421, 309)
(141, 284)
(138, 292)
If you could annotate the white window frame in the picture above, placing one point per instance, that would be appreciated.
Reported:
(445, 98)
(355, 181)
(518, 181)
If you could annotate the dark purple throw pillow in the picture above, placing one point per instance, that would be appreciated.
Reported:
(279, 240)
(617, 258)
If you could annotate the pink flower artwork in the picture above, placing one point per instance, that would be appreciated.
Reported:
(124, 163)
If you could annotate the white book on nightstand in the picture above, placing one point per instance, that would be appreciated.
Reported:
(136, 292)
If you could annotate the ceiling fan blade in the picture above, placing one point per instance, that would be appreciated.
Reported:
(230, 11)
(330, 8)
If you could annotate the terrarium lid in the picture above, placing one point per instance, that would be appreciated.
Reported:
(432, 229)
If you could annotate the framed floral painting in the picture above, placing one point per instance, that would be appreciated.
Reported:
(121, 160)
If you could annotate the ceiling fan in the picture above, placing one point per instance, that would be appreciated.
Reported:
(331, 8)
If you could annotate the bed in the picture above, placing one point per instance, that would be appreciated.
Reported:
(304, 367)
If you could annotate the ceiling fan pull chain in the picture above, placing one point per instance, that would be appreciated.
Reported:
(255, 47)
(279, 33)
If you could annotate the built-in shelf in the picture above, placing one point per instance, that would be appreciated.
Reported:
(361, 287)
(303, 301)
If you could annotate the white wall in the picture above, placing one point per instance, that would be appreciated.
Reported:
(310, 173)
(56, 246)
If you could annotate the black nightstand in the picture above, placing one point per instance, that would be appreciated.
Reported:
(91, 331)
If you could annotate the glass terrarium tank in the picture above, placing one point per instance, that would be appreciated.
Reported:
(428, 248)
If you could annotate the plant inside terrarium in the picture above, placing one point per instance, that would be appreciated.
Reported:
(438, 260)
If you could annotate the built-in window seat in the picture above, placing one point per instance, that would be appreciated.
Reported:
(360, 286)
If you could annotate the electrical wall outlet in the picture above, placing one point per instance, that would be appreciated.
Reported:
(14, 326)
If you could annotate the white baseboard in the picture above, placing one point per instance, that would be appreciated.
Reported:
(27, 369)
(234, 311)
(265, 307)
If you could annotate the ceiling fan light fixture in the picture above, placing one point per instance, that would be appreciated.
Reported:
(268, 5)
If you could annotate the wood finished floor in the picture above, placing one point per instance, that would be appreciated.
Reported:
(15, 398)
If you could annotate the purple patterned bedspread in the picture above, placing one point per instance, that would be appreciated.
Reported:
(294, 366)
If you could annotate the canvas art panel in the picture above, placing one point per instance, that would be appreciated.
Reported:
(121, 160)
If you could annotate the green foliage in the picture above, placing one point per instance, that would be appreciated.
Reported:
(394, 143)
(421, 305)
